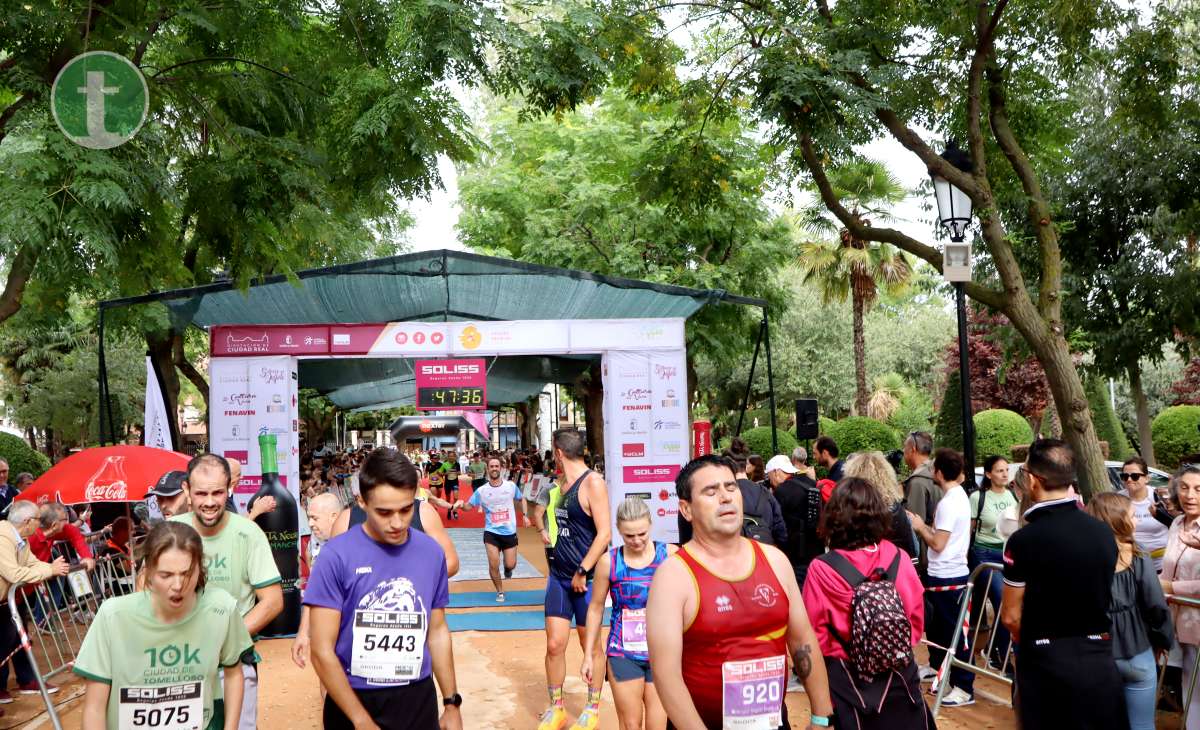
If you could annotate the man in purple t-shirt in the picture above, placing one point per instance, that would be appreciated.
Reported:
(377, 601)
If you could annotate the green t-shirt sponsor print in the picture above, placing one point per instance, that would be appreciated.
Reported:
(238, 559)
(157, 664)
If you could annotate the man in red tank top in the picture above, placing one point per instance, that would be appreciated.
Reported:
(727, 614)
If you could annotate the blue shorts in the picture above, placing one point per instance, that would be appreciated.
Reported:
(562, 602)
(626, 670)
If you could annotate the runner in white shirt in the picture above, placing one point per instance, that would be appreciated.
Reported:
(948, 540)
(500, 500)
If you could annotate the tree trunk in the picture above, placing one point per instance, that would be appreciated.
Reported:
(1070, 400)
(189, 371)
(161, 347)
(861, 396)
(1143, 413)
(593, 410)
(521, 416)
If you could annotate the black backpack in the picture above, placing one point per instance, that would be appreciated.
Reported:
(756, 514)
(880, 634)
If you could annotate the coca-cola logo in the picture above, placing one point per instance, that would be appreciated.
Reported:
(114, 492)
(269, 376)
(665, 372)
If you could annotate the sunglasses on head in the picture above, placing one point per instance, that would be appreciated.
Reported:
(1127, 475)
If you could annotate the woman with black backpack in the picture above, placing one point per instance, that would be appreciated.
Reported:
(866, 604)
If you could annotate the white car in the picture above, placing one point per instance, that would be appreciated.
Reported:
(1159, 479)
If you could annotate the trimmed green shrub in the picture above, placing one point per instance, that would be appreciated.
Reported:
(759, 441)
(825, 425)
(15, 450)
(1104, 419)
(997, 431)
(859, 433)
(948, 431)
(1175, 435)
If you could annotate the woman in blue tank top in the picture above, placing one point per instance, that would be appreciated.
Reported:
(625, 573)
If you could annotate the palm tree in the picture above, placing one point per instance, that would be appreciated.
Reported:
(849, 267)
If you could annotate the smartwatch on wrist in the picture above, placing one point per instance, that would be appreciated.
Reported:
(819, 721)
(581, 571)
(454, 700)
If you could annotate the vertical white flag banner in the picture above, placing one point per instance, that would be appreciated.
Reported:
(157, 427)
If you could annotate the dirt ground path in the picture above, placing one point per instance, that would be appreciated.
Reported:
(500, 676)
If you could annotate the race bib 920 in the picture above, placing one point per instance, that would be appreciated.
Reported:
(753, 693)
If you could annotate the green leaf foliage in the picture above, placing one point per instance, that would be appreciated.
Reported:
(825, 425)
(948, 432)
(1108, 428)
(1175, 435)
(758, 440)
(21, 458)
(859, 433)
(997, 431)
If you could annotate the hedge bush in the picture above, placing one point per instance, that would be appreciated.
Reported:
(859, 433)
(1104, 419)
(825, 425)
(1175, 435)
(20, 457)
(948, 431)
(997, 431)
(759, 441)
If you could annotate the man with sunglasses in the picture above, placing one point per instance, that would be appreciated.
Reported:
(1151, 521)
(1058, 573)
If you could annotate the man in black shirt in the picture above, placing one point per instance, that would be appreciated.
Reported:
(1058, 573)
(800, 501)
(826, 452)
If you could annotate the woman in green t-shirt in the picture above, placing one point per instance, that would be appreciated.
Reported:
(151, 659)
(989, 546)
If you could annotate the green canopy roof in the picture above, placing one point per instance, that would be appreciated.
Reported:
(430, 286)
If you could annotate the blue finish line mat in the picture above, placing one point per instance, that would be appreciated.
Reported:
(472, 557)
(488, 598)
(501, 621)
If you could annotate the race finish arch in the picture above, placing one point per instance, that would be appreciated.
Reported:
(354, 332)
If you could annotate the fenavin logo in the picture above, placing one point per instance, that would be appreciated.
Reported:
(99, 100)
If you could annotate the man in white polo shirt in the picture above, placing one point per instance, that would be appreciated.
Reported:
(948, 539)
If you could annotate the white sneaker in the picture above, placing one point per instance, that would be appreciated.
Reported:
(928, 674)
(499, 598)
(956, 697)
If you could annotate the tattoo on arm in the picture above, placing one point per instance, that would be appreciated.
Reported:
(802, 662)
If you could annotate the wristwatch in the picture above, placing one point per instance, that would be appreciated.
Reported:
(819, 721)
(454, 700)
(581, 571)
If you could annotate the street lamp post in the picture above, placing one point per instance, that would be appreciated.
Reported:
(954, 213)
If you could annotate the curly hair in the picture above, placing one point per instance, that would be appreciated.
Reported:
(855, 516)
(874, 468)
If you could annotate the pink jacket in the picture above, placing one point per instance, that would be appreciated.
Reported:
(1181, 566)
(827, 597)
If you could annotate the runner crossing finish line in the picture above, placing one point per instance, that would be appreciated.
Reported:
(499, 499)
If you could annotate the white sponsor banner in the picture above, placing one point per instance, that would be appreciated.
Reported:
(601, 335)
(524, 337)
(413, 338)
(157, 427)
(249, 396)
(634, 460)
(668, 395)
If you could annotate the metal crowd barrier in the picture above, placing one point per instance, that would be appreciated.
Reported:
(59, 612)
(1188, 677)
(963, 624)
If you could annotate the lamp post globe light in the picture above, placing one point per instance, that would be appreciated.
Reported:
(954, 214)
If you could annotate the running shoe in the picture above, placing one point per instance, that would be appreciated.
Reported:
(928, 674)
(31, 688)
(500, 597)
(956, 697)
(6, 697)
(589, 719)
(553, 719)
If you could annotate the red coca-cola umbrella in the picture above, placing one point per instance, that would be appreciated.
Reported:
(105, 474)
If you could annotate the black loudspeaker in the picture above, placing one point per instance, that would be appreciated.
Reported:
(806, 418)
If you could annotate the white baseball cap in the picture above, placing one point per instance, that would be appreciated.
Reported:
(781, 462)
